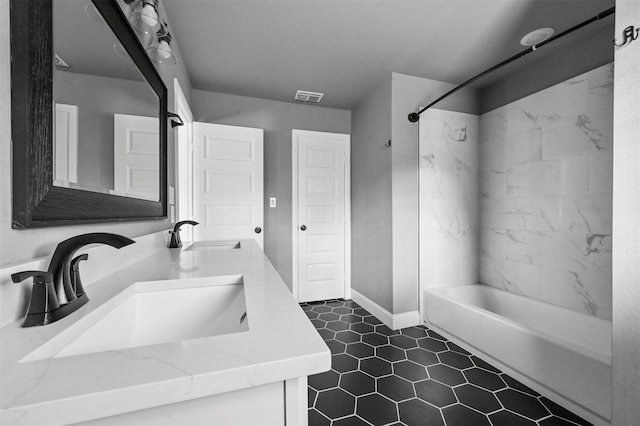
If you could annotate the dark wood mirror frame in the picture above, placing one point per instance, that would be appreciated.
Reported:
(36, 202)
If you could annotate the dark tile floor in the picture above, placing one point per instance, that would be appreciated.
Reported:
(412, 377)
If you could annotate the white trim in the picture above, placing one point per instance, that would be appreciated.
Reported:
(394, 322)
(421, 312)
(294, 209)
(184, 158)
(378, 311)
(68, 162)
(296, 400)
(406, 319)
(180, 101)
(294, 217)
(347, 219)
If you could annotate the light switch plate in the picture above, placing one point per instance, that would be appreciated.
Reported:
(272, 202)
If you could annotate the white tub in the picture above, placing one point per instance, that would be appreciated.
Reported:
(564, 355)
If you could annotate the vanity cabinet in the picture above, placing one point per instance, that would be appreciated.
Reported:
(86, 369)
(282, 403)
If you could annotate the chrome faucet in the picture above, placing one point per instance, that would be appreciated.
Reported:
(176, 242)
(58, 291)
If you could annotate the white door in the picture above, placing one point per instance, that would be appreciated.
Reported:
(65, 167)
(227, 182)
(320, 214)
(136, 161)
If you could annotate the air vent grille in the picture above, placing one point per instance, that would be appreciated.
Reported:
(306, 96)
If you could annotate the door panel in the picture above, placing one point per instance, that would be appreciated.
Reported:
(65, 167)
(228, 185)
(136, 156)
(321, 215)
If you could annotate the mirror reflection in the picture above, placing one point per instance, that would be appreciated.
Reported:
(106, 116)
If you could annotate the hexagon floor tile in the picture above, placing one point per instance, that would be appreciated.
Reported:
(412, 376)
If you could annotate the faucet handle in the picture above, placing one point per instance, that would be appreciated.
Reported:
(43, 297)
(39, 277)
(76, 283)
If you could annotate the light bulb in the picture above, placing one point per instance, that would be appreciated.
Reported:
(149, 15)
(164, 49)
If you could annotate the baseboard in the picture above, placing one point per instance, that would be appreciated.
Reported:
(375, 309)
(406, 319)
(395, 322)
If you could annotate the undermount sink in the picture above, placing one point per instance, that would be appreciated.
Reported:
(215, 245)
(155, 312)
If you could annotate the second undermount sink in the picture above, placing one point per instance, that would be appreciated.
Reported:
(150, 313)
(215, 245)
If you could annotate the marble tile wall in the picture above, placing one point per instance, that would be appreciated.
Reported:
(449, 195)
(545, 180)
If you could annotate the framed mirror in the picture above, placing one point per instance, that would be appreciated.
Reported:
(45, 193)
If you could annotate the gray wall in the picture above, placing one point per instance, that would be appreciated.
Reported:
(277, 119)
(18, 246)
(384, 188)
(98, 99)
(409, 93)
(626, 222)
(539, 70)
(371, 232)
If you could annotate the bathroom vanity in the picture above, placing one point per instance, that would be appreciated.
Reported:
(205, 334)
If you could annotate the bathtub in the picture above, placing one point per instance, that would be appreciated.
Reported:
(563, 354)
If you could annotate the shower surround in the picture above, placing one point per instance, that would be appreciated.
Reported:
(546, 193)
(520, 199)
(542, 167)
(449, 199)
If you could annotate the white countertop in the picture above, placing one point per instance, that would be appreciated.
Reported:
(281, 344)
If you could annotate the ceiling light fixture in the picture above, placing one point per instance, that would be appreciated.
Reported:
(149, 14)
(160, 50)
(153, 30)
(537, 36)
(144, 17)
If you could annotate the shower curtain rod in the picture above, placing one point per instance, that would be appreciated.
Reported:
(415, 116)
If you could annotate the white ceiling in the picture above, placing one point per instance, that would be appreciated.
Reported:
(345, 48)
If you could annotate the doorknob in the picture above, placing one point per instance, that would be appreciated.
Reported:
(303, 228)
(258, 230)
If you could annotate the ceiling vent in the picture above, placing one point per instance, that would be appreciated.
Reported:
(306, 96)
(60, 62)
